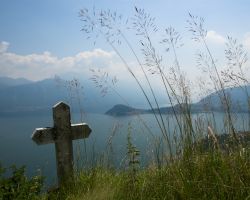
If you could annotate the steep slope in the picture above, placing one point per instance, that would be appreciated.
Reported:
(123, 110)
(237, 96)
(9, 82)
(42, 95)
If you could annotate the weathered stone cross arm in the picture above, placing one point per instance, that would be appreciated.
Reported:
(48, 135)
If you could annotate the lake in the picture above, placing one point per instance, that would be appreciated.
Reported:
(109, 134)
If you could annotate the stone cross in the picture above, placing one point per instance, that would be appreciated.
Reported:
(62, 135)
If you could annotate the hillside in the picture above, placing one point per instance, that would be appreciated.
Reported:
(6, 82)
(25, 97)
(238, 99)
(122, 110)
(238, 103)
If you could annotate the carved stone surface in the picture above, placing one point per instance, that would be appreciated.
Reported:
(62, 135)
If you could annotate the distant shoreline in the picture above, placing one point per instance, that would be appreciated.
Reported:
(123, 110)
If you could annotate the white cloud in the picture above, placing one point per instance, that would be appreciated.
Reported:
(3, 46)
(214, 37)
(45, 65)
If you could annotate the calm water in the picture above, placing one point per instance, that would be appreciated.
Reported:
(16, 146)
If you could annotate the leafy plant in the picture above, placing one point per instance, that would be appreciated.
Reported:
(18, 186)
(132, 155)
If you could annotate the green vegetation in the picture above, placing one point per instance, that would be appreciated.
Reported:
(18, 186)
(197, 175)
(210, 175)
(184, 165)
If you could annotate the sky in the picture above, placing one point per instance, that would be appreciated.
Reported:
(42, 38)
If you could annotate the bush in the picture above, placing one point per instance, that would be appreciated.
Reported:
(18, 185)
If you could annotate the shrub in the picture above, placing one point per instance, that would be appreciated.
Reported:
(18, 185)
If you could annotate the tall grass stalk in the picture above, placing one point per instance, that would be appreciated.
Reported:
(199, 35)
(108, 24)
(192, 159)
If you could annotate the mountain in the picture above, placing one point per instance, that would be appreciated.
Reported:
(20, 96)
(30, 97)
(39, 97)
(8, 82)
(122, 110)
(237, 96)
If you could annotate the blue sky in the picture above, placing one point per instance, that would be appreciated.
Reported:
(39, 39)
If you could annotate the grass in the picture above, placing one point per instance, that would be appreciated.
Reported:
(198, 174)
(191, 169)
(186, 168)
(207, 175)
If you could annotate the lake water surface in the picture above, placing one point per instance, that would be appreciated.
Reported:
(16, 146)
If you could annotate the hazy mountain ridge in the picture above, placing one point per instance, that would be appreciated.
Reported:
(29, 97)
(24, 96)
(6, 82)
(40, 96)
(237, 96)
(122, 110)
(212, 102)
